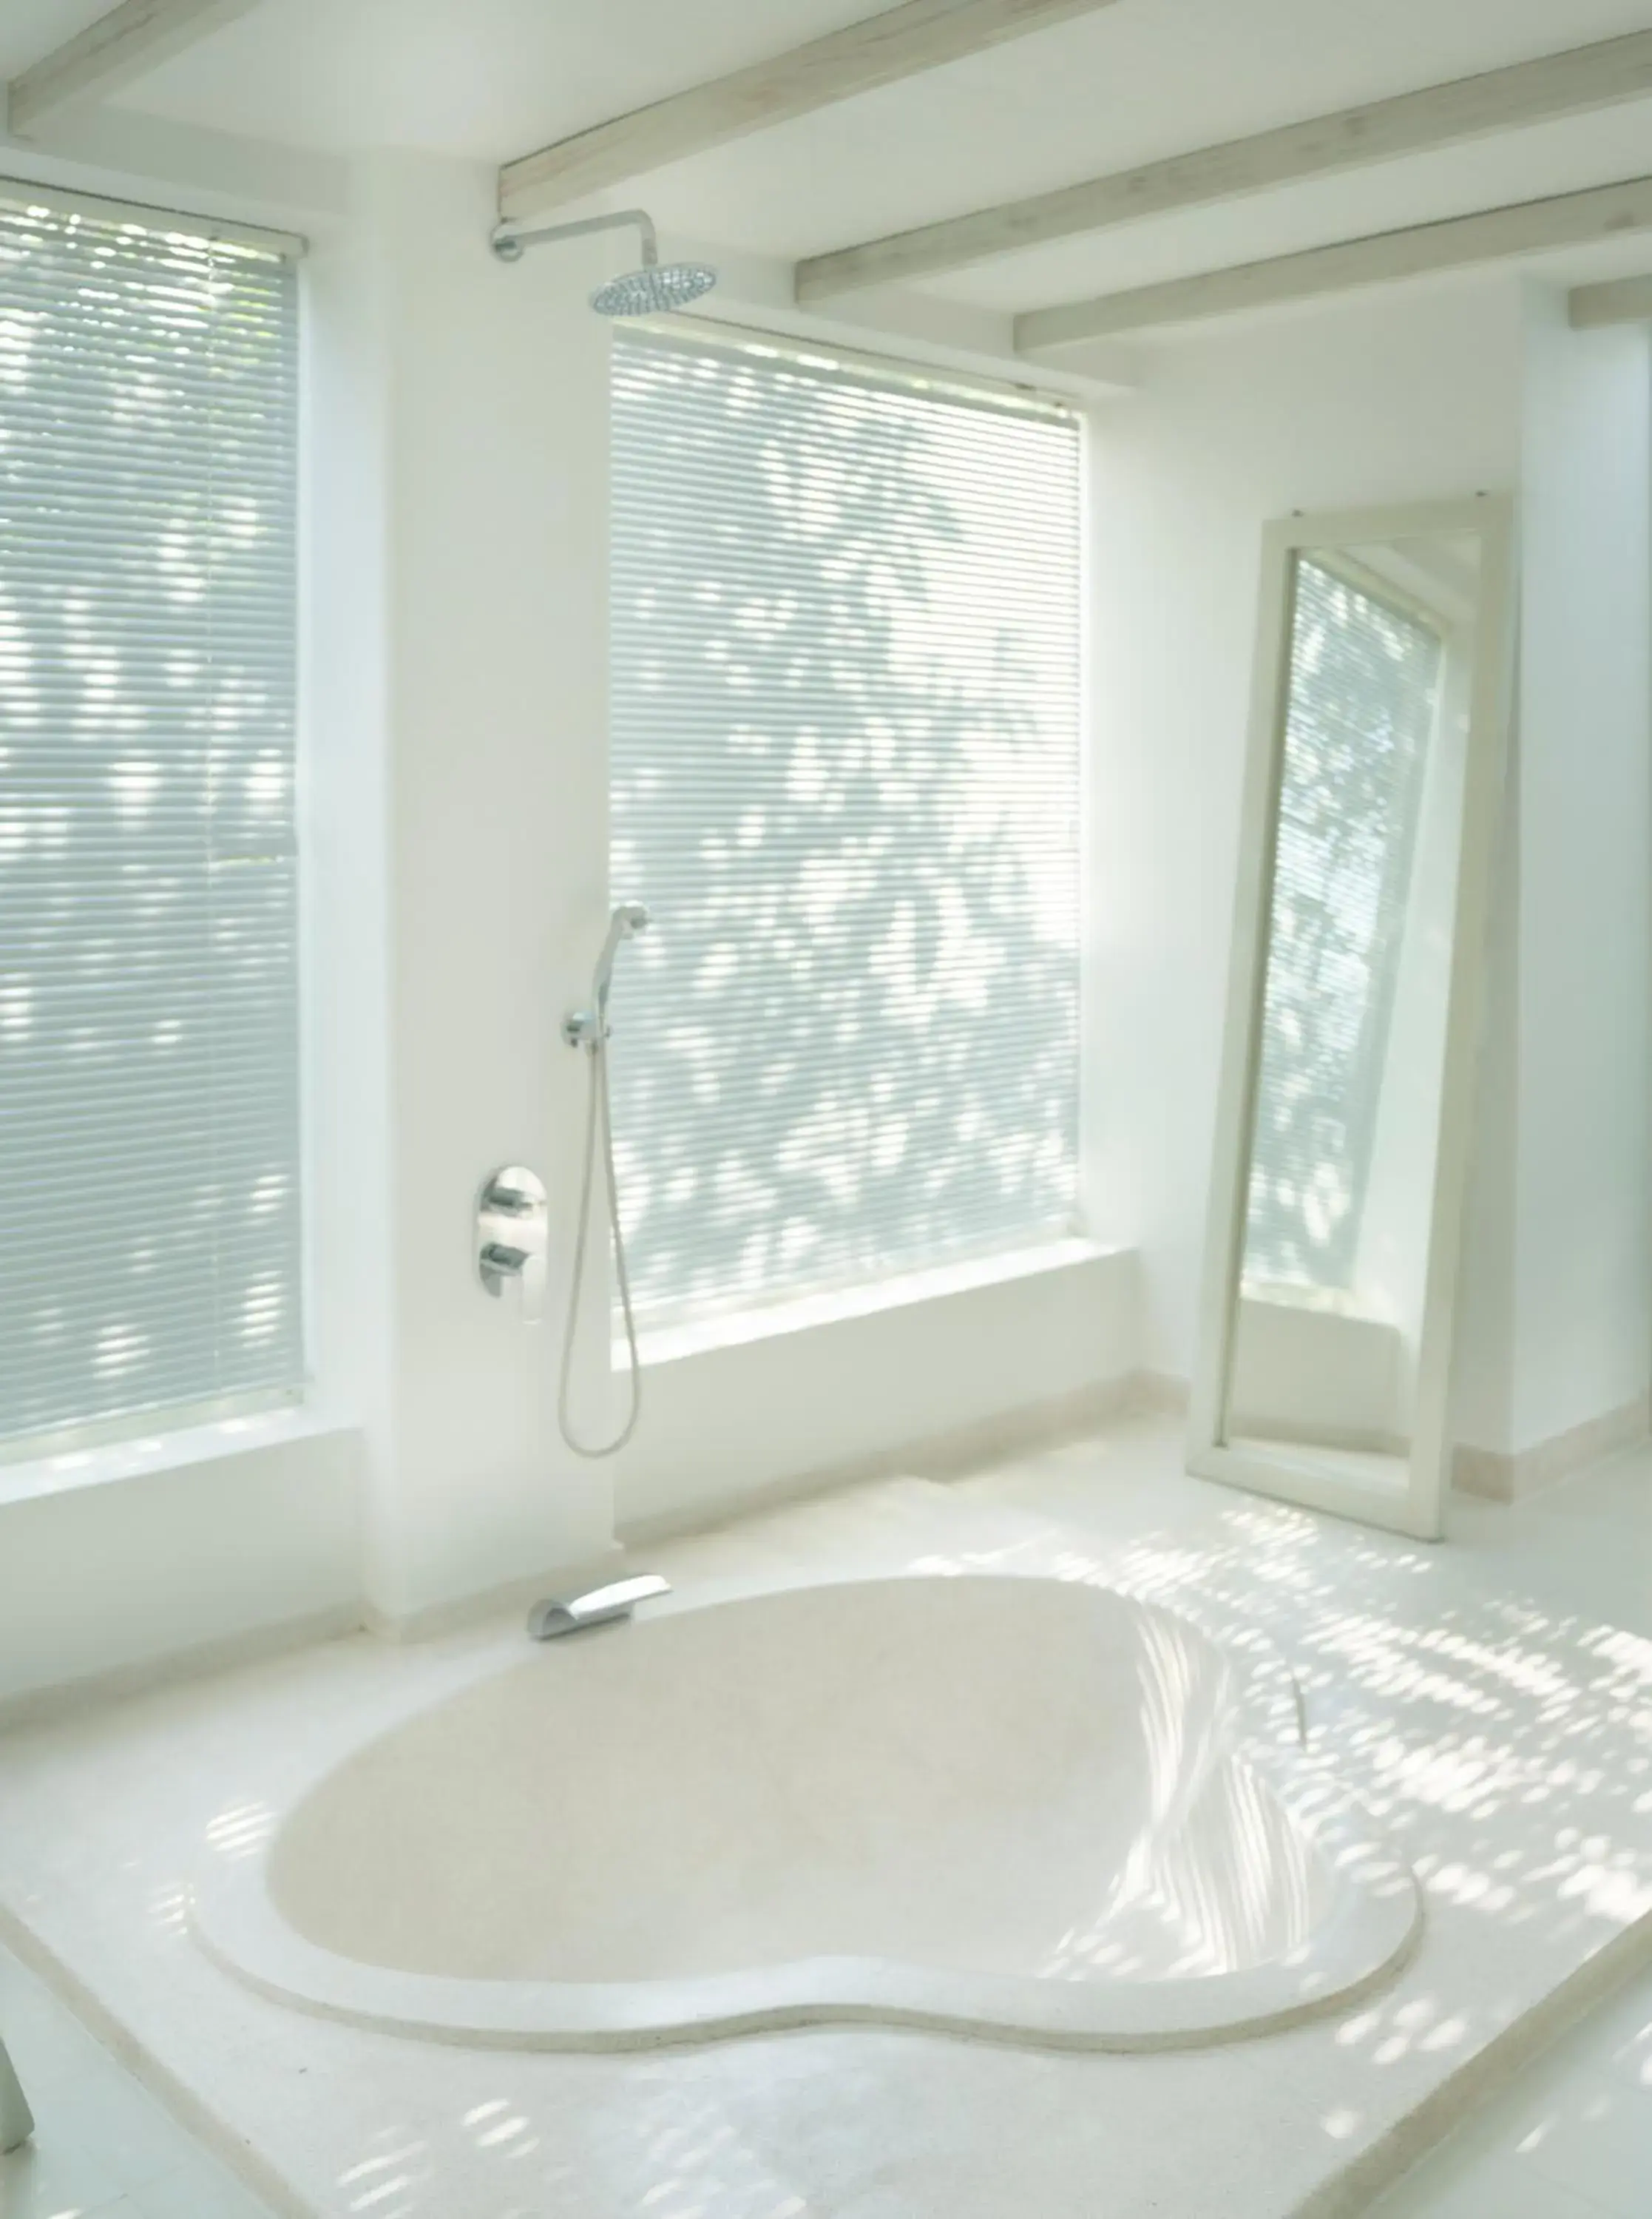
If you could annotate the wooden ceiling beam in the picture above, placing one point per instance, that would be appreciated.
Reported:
(900, 42)
(1620, 300)
(132, 39)
(1494, 235)
(1441, 115)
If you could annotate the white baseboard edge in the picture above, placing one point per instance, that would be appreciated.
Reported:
(1507, 1478)
(199, 1660)
(438, 1619)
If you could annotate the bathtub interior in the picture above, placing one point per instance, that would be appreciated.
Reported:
(983, 1775)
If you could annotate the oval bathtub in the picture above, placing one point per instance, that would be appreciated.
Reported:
(1004, 1806)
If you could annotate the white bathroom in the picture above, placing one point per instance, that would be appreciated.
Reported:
(825, 1109)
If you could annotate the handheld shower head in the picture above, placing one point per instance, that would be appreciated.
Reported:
(588, 1028)
(627, 917)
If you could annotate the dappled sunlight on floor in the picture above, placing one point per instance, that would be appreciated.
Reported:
(1572, 2137)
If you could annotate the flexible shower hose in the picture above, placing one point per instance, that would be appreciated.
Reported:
(599, 1110)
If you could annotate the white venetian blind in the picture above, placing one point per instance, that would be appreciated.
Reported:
(1364, 685)
(149, 1205)
(845, 779)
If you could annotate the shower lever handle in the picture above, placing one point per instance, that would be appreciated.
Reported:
(512, 1236)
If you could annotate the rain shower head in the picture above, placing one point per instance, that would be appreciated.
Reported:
(655, 289)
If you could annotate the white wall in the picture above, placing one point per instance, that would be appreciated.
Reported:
(1582, 1326)
(343, 800)
(255, 1533)
(1391, 397)
(734, 1420)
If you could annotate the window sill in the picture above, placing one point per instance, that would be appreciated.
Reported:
(68, 1471)
(671, 1344)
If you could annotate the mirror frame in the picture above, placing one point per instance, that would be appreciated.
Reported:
(1420, 1511)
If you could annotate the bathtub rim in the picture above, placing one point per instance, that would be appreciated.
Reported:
(1373, 1928)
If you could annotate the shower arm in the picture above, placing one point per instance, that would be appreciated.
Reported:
(508, 245)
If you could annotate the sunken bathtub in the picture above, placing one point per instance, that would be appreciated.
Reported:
(1016, 1808)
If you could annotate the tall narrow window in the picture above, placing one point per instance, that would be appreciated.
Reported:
(845, 767)
(149, 1205)
(1364, 691)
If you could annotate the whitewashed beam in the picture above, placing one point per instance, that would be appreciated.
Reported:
(898, 43)
(135, 37)
(1622, 301)
(1528, 228)
(1441, 115)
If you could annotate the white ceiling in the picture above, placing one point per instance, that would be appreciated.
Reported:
(485, 78)
(493, 78)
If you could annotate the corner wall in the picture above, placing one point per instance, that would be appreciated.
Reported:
(1582, 1322)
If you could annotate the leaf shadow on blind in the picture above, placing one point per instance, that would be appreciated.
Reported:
(149, 1204)
(845, 759)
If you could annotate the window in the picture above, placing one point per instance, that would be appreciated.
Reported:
(1365, 684)
(845, 779)
(149, 1205)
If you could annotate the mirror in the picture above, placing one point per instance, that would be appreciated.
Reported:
(1372, 794)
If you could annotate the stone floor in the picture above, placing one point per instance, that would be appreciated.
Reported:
(1571, 2139)
(103, 2147)
(1491, 1699)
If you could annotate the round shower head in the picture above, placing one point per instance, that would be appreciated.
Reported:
(656, 286)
